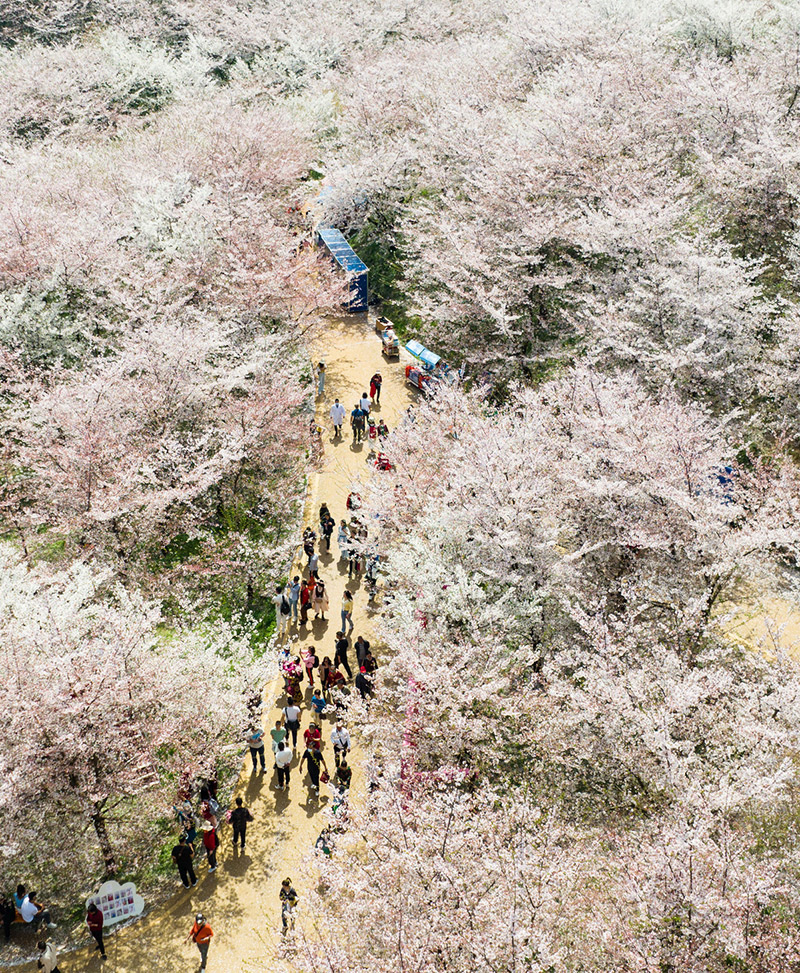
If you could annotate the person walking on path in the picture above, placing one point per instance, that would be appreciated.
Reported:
(340, 656)
(362, 647)
(313, 565)
(255, 740)
(347, 610)
(319, 600)
(240, 816)
(283, 609)
(383, 430)
(182, 855)
(358, 421)
(311, 662)
(313, 757)
(328, 527)
(337, 417)
(375, 387)
(278, 734)
(48, 957)
(294, 597)
(344, 540)
(364, 404)
(94, 920)
(288, 898)
(318, 702)
(291, 720)
(320, 377)
(283, 761)
(200, 934)
(210, 843)
(340, 739)
(306, 592)
(309, 540)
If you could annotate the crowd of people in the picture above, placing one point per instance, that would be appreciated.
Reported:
(331, 683)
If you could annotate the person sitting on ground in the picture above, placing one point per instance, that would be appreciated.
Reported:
(34, 912)
(19, 895)
(369, 662)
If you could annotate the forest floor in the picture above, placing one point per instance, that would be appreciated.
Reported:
(240, 899)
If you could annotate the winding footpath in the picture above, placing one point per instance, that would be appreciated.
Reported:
(240, 899)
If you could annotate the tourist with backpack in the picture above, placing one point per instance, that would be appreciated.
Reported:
(283, 609)
(358, 421)
(291, 720)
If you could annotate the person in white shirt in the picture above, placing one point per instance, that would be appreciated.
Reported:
(32, 911)
(48, 957)
(340, 739)
(283, 761)
(365, 404)
(337, 417)
(283, 609)
(291, 720)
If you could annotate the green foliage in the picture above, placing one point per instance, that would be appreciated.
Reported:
(143, 97)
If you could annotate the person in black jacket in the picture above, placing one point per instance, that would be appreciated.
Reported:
(8, 913)
(239, 818)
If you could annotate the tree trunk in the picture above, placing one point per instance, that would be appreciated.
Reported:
(99, 822)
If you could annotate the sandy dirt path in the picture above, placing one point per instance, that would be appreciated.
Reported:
(240, 899)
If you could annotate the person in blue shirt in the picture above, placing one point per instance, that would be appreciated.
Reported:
(358, 421)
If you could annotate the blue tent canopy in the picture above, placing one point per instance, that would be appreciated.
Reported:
(428, 358)
(350, 262)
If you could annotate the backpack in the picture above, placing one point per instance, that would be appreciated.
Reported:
(285, 609)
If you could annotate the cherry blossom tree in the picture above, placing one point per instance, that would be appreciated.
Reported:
(99, 711)
(577, 717)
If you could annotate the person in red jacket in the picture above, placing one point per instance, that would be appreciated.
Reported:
(210, 842)
(94, 920)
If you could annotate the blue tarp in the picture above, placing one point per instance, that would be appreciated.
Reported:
(428, 358)
(350, 262)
